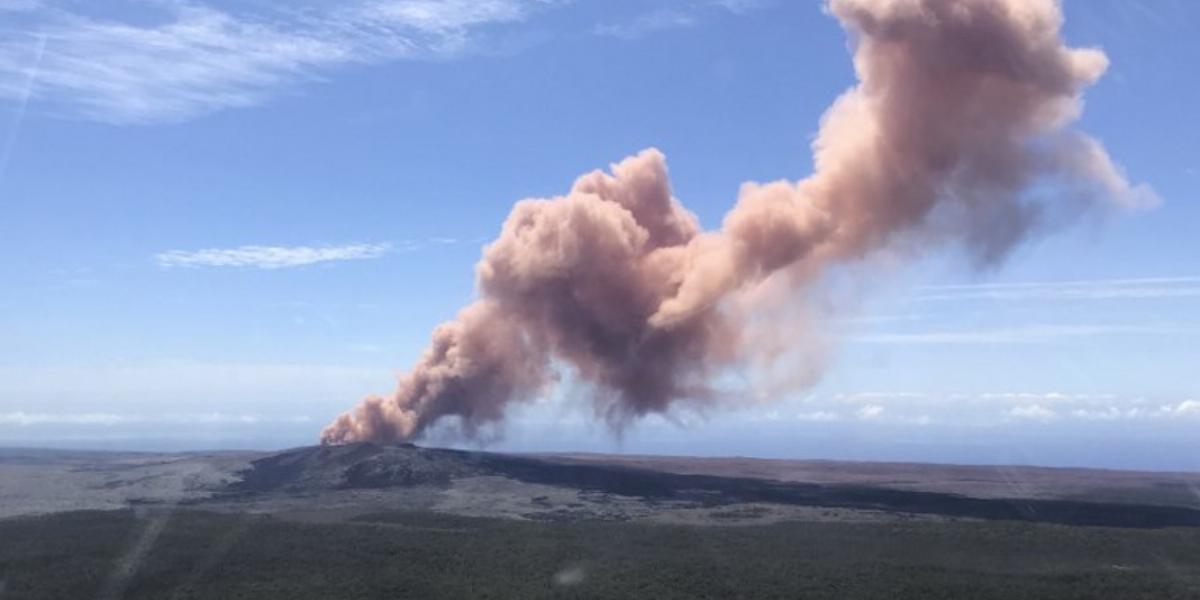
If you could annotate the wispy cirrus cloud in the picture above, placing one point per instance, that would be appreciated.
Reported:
(269, 257)
(676, 17)
(1028, 334)
(1104, 289)
(740, 6)
(184, 59)
(282, 257)
(647, 23)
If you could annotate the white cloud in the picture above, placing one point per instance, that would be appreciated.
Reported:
(1034, 412)
(870, 411)
(1187, 407)
(195, 59)
(439, 16)
(1110, 413)
(1113, 412)
(978, 408)
(819, 416)
(269, 257)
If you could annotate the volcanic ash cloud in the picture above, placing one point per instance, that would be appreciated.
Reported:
(958, 132)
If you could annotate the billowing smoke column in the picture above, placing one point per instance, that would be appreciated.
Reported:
(956, 132)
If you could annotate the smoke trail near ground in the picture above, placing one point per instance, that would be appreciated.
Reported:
(957, 132)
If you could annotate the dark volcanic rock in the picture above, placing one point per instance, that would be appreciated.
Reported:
(361, 465)
(366, 465)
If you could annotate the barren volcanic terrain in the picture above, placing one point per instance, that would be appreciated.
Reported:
(338, 482)
(371, 521)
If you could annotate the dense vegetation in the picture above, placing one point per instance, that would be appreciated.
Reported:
(190, 554)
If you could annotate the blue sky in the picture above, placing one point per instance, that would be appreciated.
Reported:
(225, 222)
